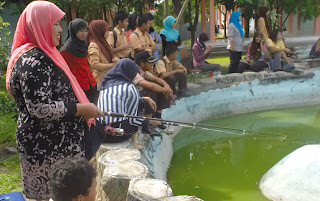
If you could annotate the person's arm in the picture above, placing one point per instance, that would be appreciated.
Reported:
(164, 75)
(116, 49)
(153, 46)
(248, 55)
(231, 36)
(132, 104)
(166, 42)
(135, 42)
(164, 84)
(272, 47)
(158, 38)
(177, 65)
(152, 86)
(94, 59)
(264, 50)
(38, 94)
(196, 52)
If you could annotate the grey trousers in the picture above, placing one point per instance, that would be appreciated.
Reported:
(210, 67)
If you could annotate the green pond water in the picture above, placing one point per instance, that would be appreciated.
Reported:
(227, 166)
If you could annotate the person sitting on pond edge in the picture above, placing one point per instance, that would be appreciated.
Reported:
(172, 71)
(200, 52)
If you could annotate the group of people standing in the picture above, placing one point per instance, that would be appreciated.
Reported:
(266, 51)
(98, 69)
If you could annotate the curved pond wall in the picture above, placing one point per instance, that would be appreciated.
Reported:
(257, 95)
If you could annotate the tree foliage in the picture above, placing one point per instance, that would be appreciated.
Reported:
(7, 105)
(4, 41)
(93, 9)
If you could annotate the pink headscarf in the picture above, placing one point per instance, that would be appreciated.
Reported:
(34, 29)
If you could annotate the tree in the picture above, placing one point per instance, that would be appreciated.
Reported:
(249, 8)
(193, 11)
(307, 9)
(229, 5)
(7, 105)
(4, 42)
(93, 9)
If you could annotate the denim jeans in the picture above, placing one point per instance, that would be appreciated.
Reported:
(275, 61)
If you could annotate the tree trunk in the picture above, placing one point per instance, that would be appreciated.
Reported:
(225, 25)
(193, 25)
(176, 7)
(166, 9)
(284, 21)
(143, 189)
(247, 28)
(116, 178)
(101, 165)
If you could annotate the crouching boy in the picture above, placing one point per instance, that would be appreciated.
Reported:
(149, 85)
(172, 71)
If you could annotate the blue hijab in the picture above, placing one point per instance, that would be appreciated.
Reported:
(170, 33)
(123, 72)
(234, 18)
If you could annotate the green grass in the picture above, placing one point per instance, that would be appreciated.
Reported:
(10, 175)
(8, 126)
(223, 61)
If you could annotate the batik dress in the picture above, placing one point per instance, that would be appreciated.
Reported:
(47, 128)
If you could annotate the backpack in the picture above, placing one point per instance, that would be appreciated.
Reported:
(115, 38)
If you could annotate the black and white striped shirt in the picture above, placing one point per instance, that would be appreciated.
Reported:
(123, 99)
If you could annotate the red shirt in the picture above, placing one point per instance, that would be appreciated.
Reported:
(80, 69)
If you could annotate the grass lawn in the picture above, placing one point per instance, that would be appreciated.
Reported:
(10, 175)
(223, 61)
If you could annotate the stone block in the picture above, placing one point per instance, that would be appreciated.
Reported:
(313, 63)
(301, 65)
(269, 75)
(235, 77)
(249, 76)
(297, 71)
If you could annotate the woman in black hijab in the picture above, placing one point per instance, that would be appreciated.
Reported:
(75, 53)
(119, 95)
(200, 52)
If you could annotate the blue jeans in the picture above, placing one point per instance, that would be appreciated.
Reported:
(275, 61)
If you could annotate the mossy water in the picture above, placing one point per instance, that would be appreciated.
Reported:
(228, 165)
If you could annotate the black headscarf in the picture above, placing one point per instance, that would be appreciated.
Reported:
(201, 39)
(123, 72)
(73, 45)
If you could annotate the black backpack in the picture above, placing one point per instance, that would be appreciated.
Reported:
(115, 38)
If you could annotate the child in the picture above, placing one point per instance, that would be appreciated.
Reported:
(172, 71)
(72, 179)
(155, 88)
(117, 38)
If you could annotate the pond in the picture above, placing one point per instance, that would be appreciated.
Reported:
(228, 165)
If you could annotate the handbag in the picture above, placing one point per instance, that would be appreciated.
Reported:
(93, 138)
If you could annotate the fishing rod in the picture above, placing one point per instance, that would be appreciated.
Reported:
(190, 125)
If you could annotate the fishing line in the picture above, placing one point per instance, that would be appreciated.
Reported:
(193, 125)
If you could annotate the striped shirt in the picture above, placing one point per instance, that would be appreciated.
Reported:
(123, 99)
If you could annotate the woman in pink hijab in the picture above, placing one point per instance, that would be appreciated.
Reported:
(52, 106)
